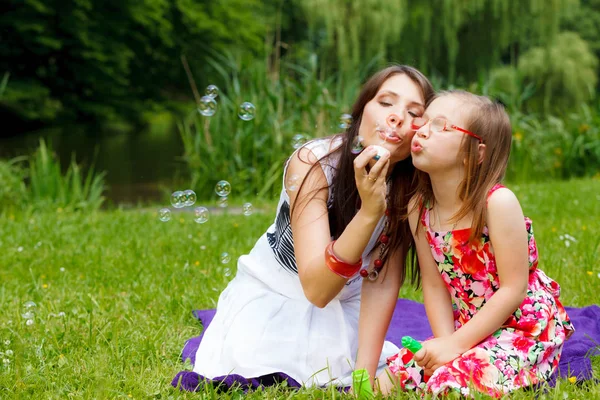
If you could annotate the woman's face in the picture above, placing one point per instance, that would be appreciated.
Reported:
(387, 117)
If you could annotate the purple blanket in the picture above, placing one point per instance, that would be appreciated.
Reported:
(575, 360)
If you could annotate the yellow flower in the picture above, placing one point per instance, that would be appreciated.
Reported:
(583, 128)
(235, 225)
(572, 379)
(61, 356)
(45, 286)
(197, 263)
(557, 164)
(590, 273)
(181, 220)
(12, 217)
(584, 228)
(554, 229)
(518, 136)
(43, 276)
(558, 151)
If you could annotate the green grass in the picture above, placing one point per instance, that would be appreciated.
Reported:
(127, 284)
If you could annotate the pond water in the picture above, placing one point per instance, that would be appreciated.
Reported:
(141, 167)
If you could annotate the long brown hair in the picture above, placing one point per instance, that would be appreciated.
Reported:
(345, 199)
(488, 120)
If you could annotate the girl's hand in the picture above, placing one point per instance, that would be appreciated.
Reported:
(371, 184)
(435, 353)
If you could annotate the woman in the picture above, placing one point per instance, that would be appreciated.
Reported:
(293, 307)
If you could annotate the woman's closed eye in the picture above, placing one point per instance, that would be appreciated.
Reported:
(385, 104)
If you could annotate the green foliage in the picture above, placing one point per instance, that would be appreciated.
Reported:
(105, 60)
(564, 72)
(585, 20)
(3, 84)
(73, 190)
(251, 154)
(454, 38)
(127, 284)
(13, 193)
(553, 147)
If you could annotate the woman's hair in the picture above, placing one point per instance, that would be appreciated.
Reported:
(345, 199)
(489, 120)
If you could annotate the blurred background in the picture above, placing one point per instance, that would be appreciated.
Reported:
(100, 100)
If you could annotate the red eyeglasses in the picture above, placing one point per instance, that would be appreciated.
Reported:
(439, 125)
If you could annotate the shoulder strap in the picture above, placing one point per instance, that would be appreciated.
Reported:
(493, 189)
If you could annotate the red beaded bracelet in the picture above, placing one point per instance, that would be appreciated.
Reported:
(340, 267)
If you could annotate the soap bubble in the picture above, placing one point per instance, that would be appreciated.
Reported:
(247, 111)
(29, 322)
(29, 305)
(212, 91)
(223, 188)
(190, 197)
(298, 141)
(223, 202)
(293, 182)
(247, 209)
(225, 258)
(201, 214)
(164, 214)
(207, 106)
(27, 315)
(345, 121)
(357, 145)
(227, 272)
(178, 199)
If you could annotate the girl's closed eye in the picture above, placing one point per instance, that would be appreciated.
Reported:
(385, 104)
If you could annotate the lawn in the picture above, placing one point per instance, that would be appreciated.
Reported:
(114, 290)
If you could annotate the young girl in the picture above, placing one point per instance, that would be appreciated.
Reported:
(293, 308)
(497, 321)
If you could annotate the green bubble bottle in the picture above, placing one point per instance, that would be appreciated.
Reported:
(411, 344)
(362, 385)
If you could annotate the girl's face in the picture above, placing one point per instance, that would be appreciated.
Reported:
(387, 118)
(439, 150)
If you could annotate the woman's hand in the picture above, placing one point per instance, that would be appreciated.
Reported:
(371, 183)
(435, 353)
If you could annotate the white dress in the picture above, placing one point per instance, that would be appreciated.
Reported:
(264, 323)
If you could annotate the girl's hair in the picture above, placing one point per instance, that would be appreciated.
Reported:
(345, 199)
(489, 120)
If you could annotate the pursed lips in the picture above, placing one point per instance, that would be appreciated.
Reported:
(389, 135)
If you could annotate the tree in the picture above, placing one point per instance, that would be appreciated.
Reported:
(112, 59)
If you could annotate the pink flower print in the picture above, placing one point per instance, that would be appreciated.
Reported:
(528, 224)
(476, 365)
(415, 374)
(441, 379)
(550, 332)
(460, 241)
(482, 288)
(530, 325)
(435, 242)
(471, 262)
(525, 377)
(533, 252)
(523, 344)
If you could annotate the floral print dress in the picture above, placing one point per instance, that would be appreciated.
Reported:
(524, 351)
